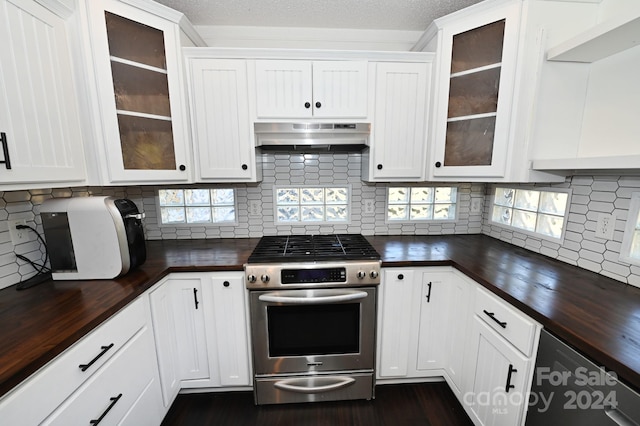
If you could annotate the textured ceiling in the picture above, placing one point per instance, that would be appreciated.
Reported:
(410, 15)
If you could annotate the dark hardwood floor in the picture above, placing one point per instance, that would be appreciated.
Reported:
(423, 404)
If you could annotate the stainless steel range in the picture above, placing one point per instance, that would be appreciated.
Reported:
(313, 317)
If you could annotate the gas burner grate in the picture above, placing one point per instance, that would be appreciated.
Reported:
(313, 248)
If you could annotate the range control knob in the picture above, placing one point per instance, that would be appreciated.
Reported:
(361, 275)
(265, 278)
(252, 278)
(374, 274)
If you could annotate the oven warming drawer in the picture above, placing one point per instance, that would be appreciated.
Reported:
(316, 388)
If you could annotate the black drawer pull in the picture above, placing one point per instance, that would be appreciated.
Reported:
(491, 315)
(400, 277)
(429, 292)
(5, 151)
(195, 297)
(103, 351)
(114, 400)
(226, 283)
(509, 385)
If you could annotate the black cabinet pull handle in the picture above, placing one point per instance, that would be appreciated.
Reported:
(400, 277)
(379, 166)
(491, 315)
(318, 104)
(182, 167)
(509, 385)
(103, 350)
(307, 105)
(195, 297)
(226, 284)
(114, 400)
(245, 167)
(5, 151)
(438, 164)
(429, 292)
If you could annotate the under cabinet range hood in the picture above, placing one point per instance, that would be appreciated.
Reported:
(344, 137)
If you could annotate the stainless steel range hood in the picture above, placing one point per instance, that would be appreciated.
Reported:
(351, 137)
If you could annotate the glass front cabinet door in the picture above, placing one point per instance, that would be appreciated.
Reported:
(477, 60)
(138, 75)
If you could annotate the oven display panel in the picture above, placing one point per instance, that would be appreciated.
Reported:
(322, 275)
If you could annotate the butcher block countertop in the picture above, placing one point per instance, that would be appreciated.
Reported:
(597, 315)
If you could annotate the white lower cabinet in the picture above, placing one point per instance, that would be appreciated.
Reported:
(496, 380)
(200, 325)
(499, 362)
(111, 374)
(413, 322)
(435, 322)
(124, 391)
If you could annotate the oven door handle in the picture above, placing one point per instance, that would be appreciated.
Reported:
(289, 385)
(303, 298)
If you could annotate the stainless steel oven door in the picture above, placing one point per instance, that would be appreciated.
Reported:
(315, 330)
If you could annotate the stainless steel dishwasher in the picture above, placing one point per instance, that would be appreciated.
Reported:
(569, 389)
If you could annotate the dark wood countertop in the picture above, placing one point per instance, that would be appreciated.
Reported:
(597, 315)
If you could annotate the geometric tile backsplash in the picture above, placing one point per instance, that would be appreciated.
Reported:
(580, 247)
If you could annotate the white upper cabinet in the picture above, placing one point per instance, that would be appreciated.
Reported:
(475, 86)
(497, 101)
(399, 142)
(222, 131)
(311, 89)
(140, 88)
(39, 115)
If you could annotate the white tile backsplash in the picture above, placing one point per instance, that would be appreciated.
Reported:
(592, 195)
(610, 194)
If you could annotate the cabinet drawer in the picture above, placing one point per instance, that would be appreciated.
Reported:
(111, 392)
(62, 376)
(512, 324)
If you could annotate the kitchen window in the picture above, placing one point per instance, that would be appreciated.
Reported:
(421, 203)
(630, 251)
(197, 206)
(541, 213)
(312, 204)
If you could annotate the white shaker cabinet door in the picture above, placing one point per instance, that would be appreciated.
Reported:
(339, 89)
(283, 89)
(435, 328)
(399, 129)
(222, 131)
(230, 326)
(497, 379)
(395, 328)
(311, 89)
(39, 117)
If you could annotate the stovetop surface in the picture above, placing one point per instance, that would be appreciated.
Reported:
(313, 248)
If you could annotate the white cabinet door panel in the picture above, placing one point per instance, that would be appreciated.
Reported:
(434, 325)
(399, 127)
(223, 134)
(190, 328)
(340, 89)
(38, 109)
(230, 325)
(394, 322)
(283, 89)
(497, 380)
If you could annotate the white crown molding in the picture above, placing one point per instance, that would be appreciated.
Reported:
(313, 38)
(305, 54)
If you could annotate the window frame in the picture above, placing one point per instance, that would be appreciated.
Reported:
(629, 230)
(196, 224)
(417, 221)
(305, 223)
(559, 240)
